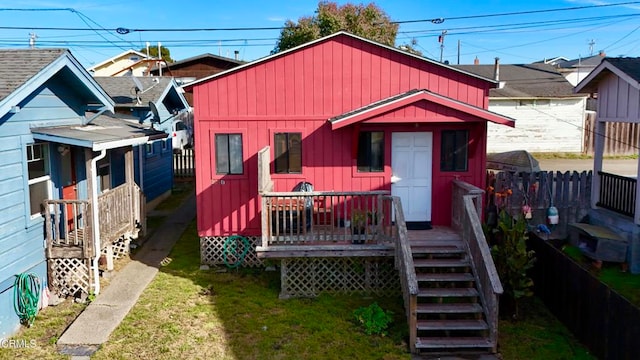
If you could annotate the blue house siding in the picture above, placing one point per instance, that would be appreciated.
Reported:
(22, 239)
(157, 167)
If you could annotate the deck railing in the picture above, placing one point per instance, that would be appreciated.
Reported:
(617, 193)
(67, 227)
(117, 208)
(467, 204)
(404, 265)
(295, 218)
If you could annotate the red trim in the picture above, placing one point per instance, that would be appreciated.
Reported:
(369, 114)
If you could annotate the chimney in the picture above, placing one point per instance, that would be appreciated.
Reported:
(236, 54)
(476, 61)
(496, 70)
(602, 53)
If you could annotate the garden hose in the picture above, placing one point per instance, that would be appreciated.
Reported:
(26, 293)
(231, 248)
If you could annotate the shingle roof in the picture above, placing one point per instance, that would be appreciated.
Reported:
(630, 66)
(525, 80)
(122, 89)
(591, 61)
(18, 66)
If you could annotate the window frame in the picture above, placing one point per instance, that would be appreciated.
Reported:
(212, 151)
(46, 178)
(370, 152)
(272, 141)
(454, 159)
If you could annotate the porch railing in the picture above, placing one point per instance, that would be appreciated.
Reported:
(404, 265)
(68, 229)
(294, 218)
(117, 208)
(617, 193)
(467, 205)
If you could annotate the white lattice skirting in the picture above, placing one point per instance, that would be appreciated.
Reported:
(212, 251)
(120, 248)
(308, 277)
(70, 276)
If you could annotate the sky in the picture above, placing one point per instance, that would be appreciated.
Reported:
(474, 29)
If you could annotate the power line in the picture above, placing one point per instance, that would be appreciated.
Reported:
(441, 20)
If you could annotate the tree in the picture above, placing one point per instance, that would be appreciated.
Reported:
(367, 21)
(153, 52)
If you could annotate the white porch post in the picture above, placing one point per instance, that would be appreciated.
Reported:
(599, 134)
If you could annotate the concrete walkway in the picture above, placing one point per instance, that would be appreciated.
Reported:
(96, 323)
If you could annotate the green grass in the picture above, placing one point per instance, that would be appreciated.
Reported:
(624, 283)
(537, 335)
(181, 189)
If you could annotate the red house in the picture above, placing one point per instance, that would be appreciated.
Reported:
(351, 115)
(358, 120)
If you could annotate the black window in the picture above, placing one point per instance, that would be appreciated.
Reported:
(454, 150)
(288, 153)
(371, 151)
(229, 154)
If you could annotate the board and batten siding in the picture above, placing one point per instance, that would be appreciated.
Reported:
(554, 126)
(618, 101)
(299, 92)
(157, 168)
(22, 238)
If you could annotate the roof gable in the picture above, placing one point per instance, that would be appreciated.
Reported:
(23, 71)
(411, 97)
(525, 81)
(122, 89)
(329, 38)
(627, 69)
(118, 57)
(197, 58)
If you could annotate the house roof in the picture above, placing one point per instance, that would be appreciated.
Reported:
(122, 89)
(335, 35)
(525, 81)
(22, 71)
(104, 132)
(626, 68)
(199, 57)
(410, 97)
(591, 61)
(114, 58)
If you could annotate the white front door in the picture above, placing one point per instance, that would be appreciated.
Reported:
(411, 158)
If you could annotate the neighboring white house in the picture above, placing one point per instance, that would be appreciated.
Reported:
(121, 63)
(576, 70)
(549, 116)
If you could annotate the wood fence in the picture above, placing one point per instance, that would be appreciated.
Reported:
(620, 138)
(605, 322)
(569, 192)
(184, 164)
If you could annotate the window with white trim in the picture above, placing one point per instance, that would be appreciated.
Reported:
(39, 176)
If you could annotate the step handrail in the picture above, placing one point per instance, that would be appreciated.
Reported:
(407, 271)
(467, 205)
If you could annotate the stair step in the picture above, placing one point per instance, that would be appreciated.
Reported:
(444, 277)
(452, 325)
(440, 262)
(448, 342)
(448, 292)
(445, 249)
(450, 308)
(440, 242)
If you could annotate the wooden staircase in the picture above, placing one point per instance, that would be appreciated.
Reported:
(450, 315)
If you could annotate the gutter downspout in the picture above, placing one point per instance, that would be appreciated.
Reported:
(95, 219)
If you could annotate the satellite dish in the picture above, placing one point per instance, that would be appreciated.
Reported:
(154, 111)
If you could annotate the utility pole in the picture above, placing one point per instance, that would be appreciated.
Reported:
(441, 41)
(591, 43)
(458, 52)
